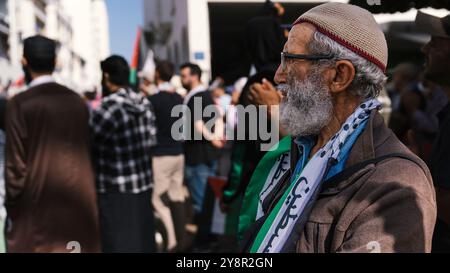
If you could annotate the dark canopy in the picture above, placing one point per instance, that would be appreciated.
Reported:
(387, 6)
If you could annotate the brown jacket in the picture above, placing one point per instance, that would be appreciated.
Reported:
(389, 206)
(50, 188)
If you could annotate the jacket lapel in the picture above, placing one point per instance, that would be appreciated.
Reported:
(363, 150)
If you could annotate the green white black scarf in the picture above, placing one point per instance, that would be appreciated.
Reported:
(292, 211)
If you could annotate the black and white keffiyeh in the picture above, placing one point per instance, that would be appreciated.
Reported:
(294, 207)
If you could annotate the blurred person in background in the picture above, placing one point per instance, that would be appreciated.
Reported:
(3, 103)
(221, 97)
(237, 90)
(419, 106)
(168, 160)
(50, 190)
(223, 103)
(176, 83)
(201, 155)
(265, 37)
(123, 132)
(202, 145)
(403, 75)
(3, 87)
(437, 71)
(406, 98)
(412, 103)
(147, 75)
(245, 156)
(147, 85)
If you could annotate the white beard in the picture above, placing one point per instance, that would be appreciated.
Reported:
(307, 107)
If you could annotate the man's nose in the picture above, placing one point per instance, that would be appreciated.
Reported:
(280, 76)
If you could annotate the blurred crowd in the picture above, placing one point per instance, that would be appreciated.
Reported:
(104, 170)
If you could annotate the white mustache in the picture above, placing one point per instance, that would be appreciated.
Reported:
(284, 89)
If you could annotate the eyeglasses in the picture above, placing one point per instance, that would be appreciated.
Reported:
(285, 55)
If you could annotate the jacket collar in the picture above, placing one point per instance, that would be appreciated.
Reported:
(374, 135)
(41, 80)
(364, 147)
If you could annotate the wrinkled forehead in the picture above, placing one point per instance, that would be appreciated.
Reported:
(299, 38)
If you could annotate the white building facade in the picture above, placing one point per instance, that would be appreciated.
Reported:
(90, 37)
(80, 27)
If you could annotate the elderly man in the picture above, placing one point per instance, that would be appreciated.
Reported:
(342, 182)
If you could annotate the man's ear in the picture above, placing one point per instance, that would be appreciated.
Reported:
(24, 62)
(343, 76)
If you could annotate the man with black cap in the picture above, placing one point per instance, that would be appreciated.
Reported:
(437, 70)
(123, 131)
(50, 190)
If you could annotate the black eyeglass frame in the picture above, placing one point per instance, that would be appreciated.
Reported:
(306, 57)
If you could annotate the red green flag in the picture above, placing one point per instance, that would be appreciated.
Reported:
(135, 59)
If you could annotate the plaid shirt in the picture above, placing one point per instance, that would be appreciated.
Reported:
(123, 130)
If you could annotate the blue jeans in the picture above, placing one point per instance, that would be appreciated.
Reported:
(197, 177)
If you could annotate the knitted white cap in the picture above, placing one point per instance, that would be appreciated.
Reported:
(351, 26)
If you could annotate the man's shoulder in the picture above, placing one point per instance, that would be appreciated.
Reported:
(109, 104)
(405, 177)
(112, 101)
(45, 89)
(166, 97)
(175, 96)
(158, 96)
(51, 86)
(206, 96)
(403, 168)
(202, 95)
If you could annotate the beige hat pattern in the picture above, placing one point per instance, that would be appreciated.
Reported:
(351, 26)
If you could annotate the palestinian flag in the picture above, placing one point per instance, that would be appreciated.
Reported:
(220, 223)
(136, 59)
